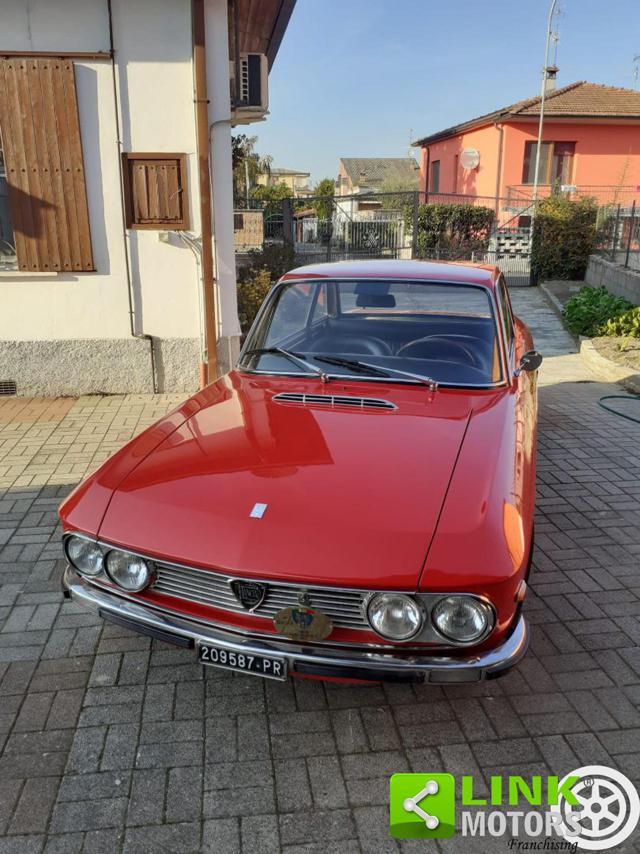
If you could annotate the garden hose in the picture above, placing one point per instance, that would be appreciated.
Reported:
(635, 397)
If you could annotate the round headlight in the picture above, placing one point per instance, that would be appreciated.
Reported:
(461, 618)
(84, 555)
(128, 571)
(394, 616)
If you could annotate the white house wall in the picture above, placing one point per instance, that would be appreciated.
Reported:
(70, 333)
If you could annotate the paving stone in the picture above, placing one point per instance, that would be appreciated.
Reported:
(146, 801)
(184, 794)
(34, 807)
(321, 826)
(260, 834)
(327, 784)
(221, 834)
(88, 815)
(293, 790)
(183, 838)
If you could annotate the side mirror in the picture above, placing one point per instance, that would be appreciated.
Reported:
(530, 361)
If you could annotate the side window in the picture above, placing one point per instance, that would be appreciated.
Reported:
(290, 314)
(505, 309)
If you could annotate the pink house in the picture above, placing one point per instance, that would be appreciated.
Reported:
(591, 141)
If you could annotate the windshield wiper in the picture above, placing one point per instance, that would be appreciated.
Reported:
(293, 357)
(374, 370)
(354, 365)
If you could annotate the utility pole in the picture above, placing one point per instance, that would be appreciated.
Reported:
(552, 9)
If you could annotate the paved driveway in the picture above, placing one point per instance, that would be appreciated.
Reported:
(111, 742)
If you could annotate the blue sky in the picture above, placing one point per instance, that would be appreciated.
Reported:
(354, 76)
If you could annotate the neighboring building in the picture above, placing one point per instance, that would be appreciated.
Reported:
(372, 174)
(591, 140)
(366, 176)
(115, 257)
(297, 182)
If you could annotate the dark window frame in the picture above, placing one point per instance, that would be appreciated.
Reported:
(549, 162)
(434, 177)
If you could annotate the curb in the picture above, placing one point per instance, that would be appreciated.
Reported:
(553, 301)
(607, 370)
(556, 306)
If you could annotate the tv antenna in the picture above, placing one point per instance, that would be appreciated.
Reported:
(636, 70)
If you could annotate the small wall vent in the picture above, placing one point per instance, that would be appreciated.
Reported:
(8, 387)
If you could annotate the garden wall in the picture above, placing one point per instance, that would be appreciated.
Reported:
(616, 279)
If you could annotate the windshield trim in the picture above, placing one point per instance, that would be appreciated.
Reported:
(503, 381)
(366, 378)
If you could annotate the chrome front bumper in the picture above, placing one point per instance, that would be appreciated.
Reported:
(304, 660)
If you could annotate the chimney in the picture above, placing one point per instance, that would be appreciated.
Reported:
(550, 79)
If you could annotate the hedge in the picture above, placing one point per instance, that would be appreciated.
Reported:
(451, 227)
(564, 235)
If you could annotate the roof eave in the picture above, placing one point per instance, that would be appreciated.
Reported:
(458, 129)
(279, 26)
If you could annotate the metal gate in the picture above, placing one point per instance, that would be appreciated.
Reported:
(387, 225)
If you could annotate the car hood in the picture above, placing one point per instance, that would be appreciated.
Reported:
(352, 495)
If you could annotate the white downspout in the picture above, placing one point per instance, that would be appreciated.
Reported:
(219, 108)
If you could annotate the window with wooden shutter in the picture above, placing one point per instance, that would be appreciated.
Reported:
(44, 166)
(155, 191)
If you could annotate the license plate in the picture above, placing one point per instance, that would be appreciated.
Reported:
(259, 665)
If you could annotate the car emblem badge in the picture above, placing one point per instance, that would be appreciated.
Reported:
(250, 594)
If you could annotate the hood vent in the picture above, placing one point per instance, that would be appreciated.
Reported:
(334, 400)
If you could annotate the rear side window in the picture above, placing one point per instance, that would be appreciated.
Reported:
(505, 308)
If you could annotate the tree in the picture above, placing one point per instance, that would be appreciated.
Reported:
(272, 196)
(247, 165)
(323, 198)
(401, 189)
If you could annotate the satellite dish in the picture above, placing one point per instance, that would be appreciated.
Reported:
(470, 158)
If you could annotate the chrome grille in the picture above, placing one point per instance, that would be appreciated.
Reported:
(345, 607)
(334, 400)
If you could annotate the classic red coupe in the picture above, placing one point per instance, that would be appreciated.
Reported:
(354, 501)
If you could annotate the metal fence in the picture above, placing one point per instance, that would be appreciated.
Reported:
(619, 234)
(388, 225)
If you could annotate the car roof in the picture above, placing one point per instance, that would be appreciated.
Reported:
(438, 271)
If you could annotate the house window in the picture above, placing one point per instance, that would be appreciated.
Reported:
(155, 191)
(455, 173)
(43, 196)
(435, 177)
(8, 260)
(556, 162)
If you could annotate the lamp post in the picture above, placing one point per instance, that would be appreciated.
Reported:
(536, 174)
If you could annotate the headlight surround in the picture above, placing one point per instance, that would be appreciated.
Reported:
(395, 616)
(462, 619)
(85, 555)
(130, 572)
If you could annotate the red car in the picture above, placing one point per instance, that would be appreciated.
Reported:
(354, 501)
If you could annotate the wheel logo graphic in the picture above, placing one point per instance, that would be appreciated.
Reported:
(608, 808)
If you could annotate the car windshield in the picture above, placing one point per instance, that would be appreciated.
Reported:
(372, 328)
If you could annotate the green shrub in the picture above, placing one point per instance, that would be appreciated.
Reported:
(265, 267)
(450, 226)
(590, 309)
(626, 324)
(564, 235)
(251, 293)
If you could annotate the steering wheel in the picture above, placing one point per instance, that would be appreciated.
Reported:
(439, 347)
